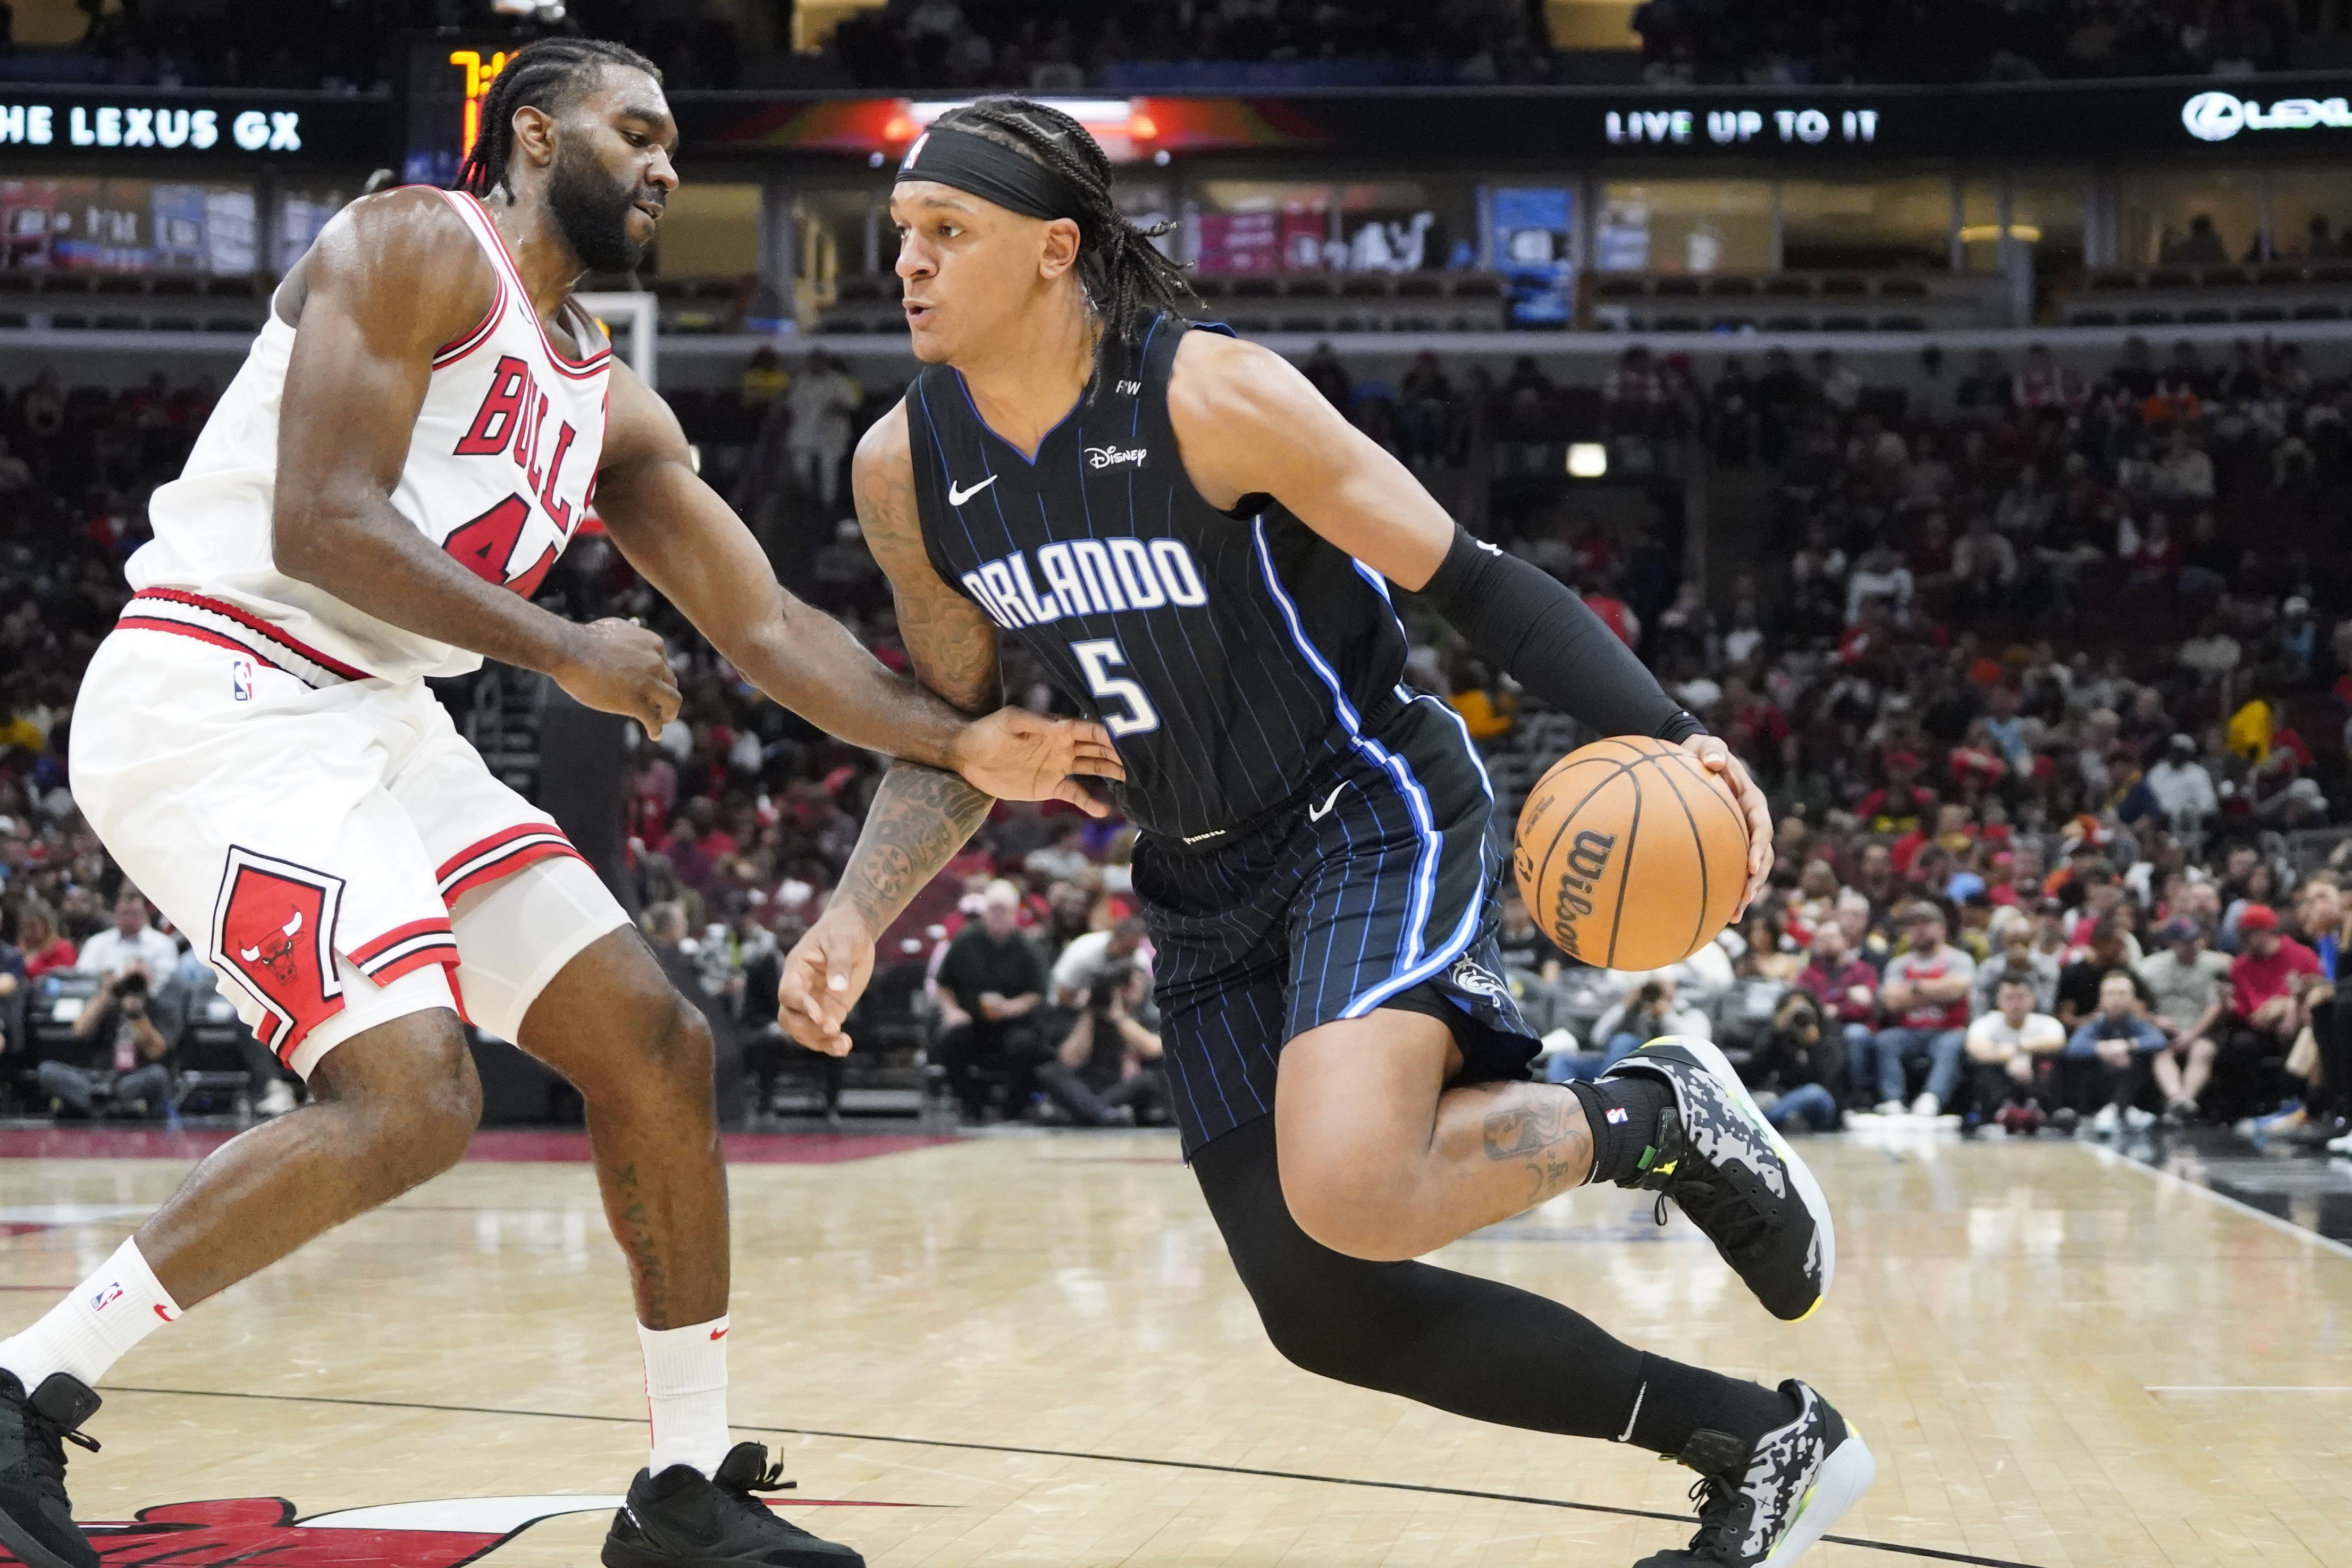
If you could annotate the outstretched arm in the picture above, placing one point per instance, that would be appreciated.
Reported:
(1248, 423)
(920, 816)
(689, 544)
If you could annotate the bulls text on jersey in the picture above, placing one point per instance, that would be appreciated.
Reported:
(512, 421)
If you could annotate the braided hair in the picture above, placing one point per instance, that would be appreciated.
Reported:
(1126, 278)
(546, 76)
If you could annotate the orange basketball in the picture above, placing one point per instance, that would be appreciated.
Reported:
(1631, 853)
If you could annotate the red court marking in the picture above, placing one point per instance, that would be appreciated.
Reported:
(228, 1531)
(508, 1146)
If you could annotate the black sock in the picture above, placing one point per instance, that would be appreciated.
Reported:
(1623, 1114)
(1676, 1400)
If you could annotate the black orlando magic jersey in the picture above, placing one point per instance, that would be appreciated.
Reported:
(1230, 655)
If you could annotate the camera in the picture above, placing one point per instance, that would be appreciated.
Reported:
(1104, 986)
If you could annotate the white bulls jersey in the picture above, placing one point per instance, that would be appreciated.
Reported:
(498, 473)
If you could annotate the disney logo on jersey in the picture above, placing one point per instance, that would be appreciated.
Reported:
(1110, 456)
(1087, 577)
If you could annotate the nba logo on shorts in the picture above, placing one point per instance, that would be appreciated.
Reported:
(240, 679)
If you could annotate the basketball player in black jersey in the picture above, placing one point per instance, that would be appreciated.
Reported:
(1199, 548)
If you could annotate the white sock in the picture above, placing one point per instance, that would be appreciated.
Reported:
(685, 1394)
(95, 1325)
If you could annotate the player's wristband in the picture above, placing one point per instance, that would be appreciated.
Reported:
(1527, 623)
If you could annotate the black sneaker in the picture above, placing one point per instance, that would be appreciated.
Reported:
(35, 1519)
(682, 1519)
(1760, 1505)
(1717, 1156)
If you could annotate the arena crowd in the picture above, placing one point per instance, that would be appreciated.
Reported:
(2034, 697)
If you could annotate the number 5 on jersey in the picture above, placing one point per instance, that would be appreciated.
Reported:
(1098, 657)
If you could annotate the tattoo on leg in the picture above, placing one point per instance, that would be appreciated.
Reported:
(1544, 1129)
(634, 1234)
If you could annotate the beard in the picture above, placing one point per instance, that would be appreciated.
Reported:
(592, 211)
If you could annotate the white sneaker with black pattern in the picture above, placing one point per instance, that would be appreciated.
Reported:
(1764, 1504)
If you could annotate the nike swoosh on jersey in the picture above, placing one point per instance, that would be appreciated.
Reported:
(958, 498)
(1316, 813)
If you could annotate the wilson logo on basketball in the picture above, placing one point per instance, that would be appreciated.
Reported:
(1631, 853)
(1588, 862)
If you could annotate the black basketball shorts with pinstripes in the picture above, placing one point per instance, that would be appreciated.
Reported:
(1375, 889)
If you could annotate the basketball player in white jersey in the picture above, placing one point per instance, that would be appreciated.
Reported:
(412, 441)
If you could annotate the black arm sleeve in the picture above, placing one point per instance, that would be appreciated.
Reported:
(1523, 621)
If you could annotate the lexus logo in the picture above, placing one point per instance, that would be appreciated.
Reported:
(2213, 116)
(2219, 116)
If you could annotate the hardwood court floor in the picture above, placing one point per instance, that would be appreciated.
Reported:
(1030, 1350)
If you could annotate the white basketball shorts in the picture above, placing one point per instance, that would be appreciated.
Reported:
(331, 846)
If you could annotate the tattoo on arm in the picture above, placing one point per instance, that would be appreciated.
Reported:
(952, 643)
(1543, 1127)
(919, 817)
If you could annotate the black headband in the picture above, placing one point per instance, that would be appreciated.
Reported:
(988, 169)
